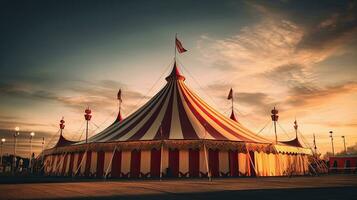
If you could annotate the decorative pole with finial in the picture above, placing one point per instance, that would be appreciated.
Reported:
(296, 128)
(87, 116)
(274, 118)
(61, 125)
(120, 100)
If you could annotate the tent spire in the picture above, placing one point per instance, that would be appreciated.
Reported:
(62, 125)
(315, 144)
(230, 97)
(296, 128)
(175, 74)
(119, 117)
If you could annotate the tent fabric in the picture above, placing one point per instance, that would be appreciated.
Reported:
(194, 162)
(100, 164)
(292, 149)
(181, 163)
(294, 142)
(116, 164)
(178, 134)
(135, 164)
(181, 114)
(155, 163)
(62, 141)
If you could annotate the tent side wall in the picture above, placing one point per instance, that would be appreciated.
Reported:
(175, 163)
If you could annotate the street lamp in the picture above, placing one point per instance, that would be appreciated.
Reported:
(31, 136)
(344, 143)
(17, 133)
(3, 140)
(333, 149)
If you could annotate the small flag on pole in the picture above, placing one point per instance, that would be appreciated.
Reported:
(179, 46)
(119, 96)
(230, 95)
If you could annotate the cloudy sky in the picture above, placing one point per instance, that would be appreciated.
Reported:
(57, 57)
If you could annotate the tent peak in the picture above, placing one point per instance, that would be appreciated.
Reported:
(175, 74)
(233, 117)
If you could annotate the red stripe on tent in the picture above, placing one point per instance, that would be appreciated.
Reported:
(140, 118)
(100, 164)
(71, 162)
(251, 164)
(166, 121)
(187, 130)
(141, 132)
(221, 118)
(174, 163)
(88, 162)
(64, 165)
(110, 129)
(155, 162)
(217, 121)
(233, 163)
(194, 162)
(135, 163)
(116, 164)
(208, 127)
(213, 162)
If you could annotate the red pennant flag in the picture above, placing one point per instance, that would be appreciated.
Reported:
(230, 95)
(179, 46)
(119, 95)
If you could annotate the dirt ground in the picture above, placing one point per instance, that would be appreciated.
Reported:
(323, 187)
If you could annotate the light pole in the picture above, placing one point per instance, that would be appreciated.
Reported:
(344, 143)
(17, 133)
(30, 161)
(43, 148)
(1, 143)
(333, 149)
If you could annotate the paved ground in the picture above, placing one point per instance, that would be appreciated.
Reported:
(324, 187)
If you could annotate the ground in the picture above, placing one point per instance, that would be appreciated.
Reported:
(322, 187)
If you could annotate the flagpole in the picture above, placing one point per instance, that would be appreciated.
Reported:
(232, 101)
(175, 45)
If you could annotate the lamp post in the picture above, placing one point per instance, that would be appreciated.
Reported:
(17, 133)
(333, 149)
(1, 143)
(344, 143)
(43, 148)
(30, 161)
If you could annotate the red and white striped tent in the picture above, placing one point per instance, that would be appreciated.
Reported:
(176, 134)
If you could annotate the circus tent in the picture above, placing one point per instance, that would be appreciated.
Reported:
(176, 134)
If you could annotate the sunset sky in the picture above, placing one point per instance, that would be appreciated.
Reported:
(58, 57)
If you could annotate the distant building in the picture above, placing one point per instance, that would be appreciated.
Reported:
(343, 164)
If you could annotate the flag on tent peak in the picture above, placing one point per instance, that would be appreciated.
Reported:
(230, 95)
(179, 46)
(119, 96)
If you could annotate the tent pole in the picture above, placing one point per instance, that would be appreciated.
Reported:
(206, 159)
(251, 161)
(161, 157)
(110, 163)
(80, 164)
